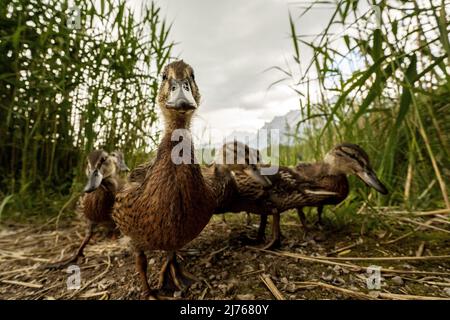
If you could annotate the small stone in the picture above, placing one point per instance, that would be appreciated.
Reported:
(447, 291)
(151, 261)
(338, 281)
(177, 294)
(248, 296)
(284, 280)
(230, 287)
(327, 277)
(211, 277)
(398, 280)
(337, 269)
(208, 265)
(223, 288)
(291, 288)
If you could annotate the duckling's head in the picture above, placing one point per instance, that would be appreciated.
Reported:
(238, 156)
(120, 160)
(178, 95)
(348, 158)
(101, 166)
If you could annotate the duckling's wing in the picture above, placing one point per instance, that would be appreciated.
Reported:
(139, 173)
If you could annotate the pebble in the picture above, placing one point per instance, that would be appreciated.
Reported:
(223, 288)
(177, 294)
(338, 281)
(151, 261)
(291, 288)
(327, 277)
(447, 291)
(248, 296)
(398, 280)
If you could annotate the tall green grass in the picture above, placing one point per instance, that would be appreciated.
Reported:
(383, 85)
(65, 91)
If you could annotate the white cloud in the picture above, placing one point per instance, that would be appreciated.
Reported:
(230, 44)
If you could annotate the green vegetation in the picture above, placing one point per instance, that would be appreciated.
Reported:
(64, 91)
(383, 84)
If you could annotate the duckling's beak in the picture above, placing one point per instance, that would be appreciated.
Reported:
(123, 166)
(371, 179)
(257, 176)
(180, 96)
(94, 181)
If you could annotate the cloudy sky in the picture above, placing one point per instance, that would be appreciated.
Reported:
(230, 44)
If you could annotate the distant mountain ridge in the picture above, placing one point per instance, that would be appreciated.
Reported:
(285, 124)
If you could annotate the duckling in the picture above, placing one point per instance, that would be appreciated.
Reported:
(331, 174)
(323, 183)
(252, 187)
(96, 203)
(238, 156)
(306, 185)
(169, 205)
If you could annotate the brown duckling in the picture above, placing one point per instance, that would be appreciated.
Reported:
(322, 183)
(306, 185)
(331, 174)
(96, 203)
(174, 201)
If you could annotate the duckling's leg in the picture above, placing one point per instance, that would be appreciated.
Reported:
(141, 268)
(89, 232)
(172, 274)
(276, 232)
(262, 229)
(319, 213)
(65, 262)
(302, 218)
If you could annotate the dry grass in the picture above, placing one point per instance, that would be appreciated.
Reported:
(228, 267)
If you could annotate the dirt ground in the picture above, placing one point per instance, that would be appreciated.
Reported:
(225, 259)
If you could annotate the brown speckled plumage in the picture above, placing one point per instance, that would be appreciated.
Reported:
(166, 205)
(308, 184)
(171, 206)
(96, 205)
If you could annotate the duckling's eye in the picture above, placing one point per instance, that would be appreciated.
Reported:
(174, 87)
(186, 86)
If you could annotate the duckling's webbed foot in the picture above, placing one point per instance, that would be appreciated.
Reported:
(173, 275)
